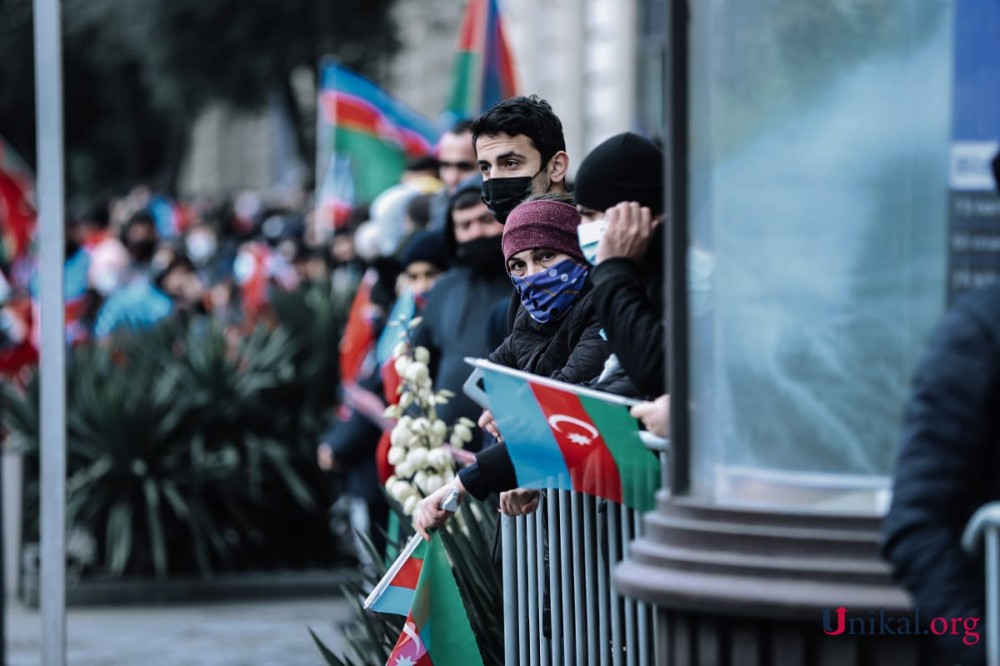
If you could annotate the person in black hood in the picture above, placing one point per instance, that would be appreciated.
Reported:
(619, 191)
(456, 318)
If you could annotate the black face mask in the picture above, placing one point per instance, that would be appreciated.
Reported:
(483, 255)
(501, 195)
(142, 251)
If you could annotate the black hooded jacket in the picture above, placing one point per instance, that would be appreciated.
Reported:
(458, 321)
(949, 466)
(628, 298)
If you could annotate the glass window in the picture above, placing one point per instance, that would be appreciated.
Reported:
(818, 164)
(651, 56)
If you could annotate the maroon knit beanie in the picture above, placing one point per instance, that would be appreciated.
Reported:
(545, 223)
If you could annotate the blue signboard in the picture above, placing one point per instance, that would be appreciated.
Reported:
(974, 239)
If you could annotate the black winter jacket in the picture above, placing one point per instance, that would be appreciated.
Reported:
(628, 299)
(570, 350)
(456, 323)
(949, 465)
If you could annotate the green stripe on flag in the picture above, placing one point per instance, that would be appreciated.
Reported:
(375, 164)
(443, 623)
(465, 85)
(638, 467)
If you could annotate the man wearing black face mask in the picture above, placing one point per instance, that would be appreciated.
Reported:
(456, 319)
(138, 302)
(520, 150)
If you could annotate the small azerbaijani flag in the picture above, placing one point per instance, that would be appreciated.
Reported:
(394, 593)
(364, 139)
(484, 67)
(569, 437)
(437, 630)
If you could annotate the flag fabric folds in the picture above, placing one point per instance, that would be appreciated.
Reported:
(572, 438)
(484, 67)
(365, 137)
(395, 592)
(437, 630)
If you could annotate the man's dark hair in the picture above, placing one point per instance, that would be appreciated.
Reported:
(531, 116)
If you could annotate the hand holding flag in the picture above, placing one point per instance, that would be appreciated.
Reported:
(435, 509)
(394, 593)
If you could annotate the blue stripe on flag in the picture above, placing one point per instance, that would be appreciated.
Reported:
(536, 455)
(394, 599)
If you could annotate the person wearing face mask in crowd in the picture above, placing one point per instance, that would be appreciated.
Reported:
(619, 191)
(456, 162)
(520, 150)
(456, 320)
(138, 303)
(556, 334)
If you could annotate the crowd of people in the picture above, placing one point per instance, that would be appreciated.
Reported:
(559, 281)
(485, 241)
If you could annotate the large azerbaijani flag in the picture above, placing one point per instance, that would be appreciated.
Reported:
(564, 436)
(437, 630)
(484, 67)
(364, 139)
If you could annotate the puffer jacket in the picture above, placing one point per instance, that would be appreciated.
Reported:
(570, 350)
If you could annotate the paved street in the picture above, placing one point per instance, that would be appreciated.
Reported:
(258, 633)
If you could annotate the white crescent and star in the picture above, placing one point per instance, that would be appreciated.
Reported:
(575, 437)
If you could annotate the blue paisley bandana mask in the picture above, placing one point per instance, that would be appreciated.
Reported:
(550, 294)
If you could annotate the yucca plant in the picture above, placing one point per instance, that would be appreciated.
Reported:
(467, 540)
(184, 450)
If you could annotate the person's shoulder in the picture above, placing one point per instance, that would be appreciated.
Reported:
(979, 305)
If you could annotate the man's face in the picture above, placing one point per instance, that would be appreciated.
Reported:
(456, 159)
(475, 222)
(421, 276)
(505, 156)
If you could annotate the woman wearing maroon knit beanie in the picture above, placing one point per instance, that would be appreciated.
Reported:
(556, 334)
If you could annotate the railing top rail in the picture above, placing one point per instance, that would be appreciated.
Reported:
(987, 516)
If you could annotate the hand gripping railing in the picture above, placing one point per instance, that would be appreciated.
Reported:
(984, 526)
(560, 602)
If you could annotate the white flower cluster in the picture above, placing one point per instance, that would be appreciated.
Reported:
(422, 463)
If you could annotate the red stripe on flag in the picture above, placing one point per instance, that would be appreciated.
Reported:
(408, 574)
(470, 36)
(508, 83)
(592, 468)
(349, 112)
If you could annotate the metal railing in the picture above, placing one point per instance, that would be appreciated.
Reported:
(984, 528)
(560, 601)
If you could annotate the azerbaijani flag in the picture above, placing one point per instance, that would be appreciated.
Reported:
(376, 133)
(569, 437)
(437, 630)
(484, 68)
(395, 592)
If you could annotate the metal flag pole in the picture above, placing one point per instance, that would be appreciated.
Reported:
(49, 194)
